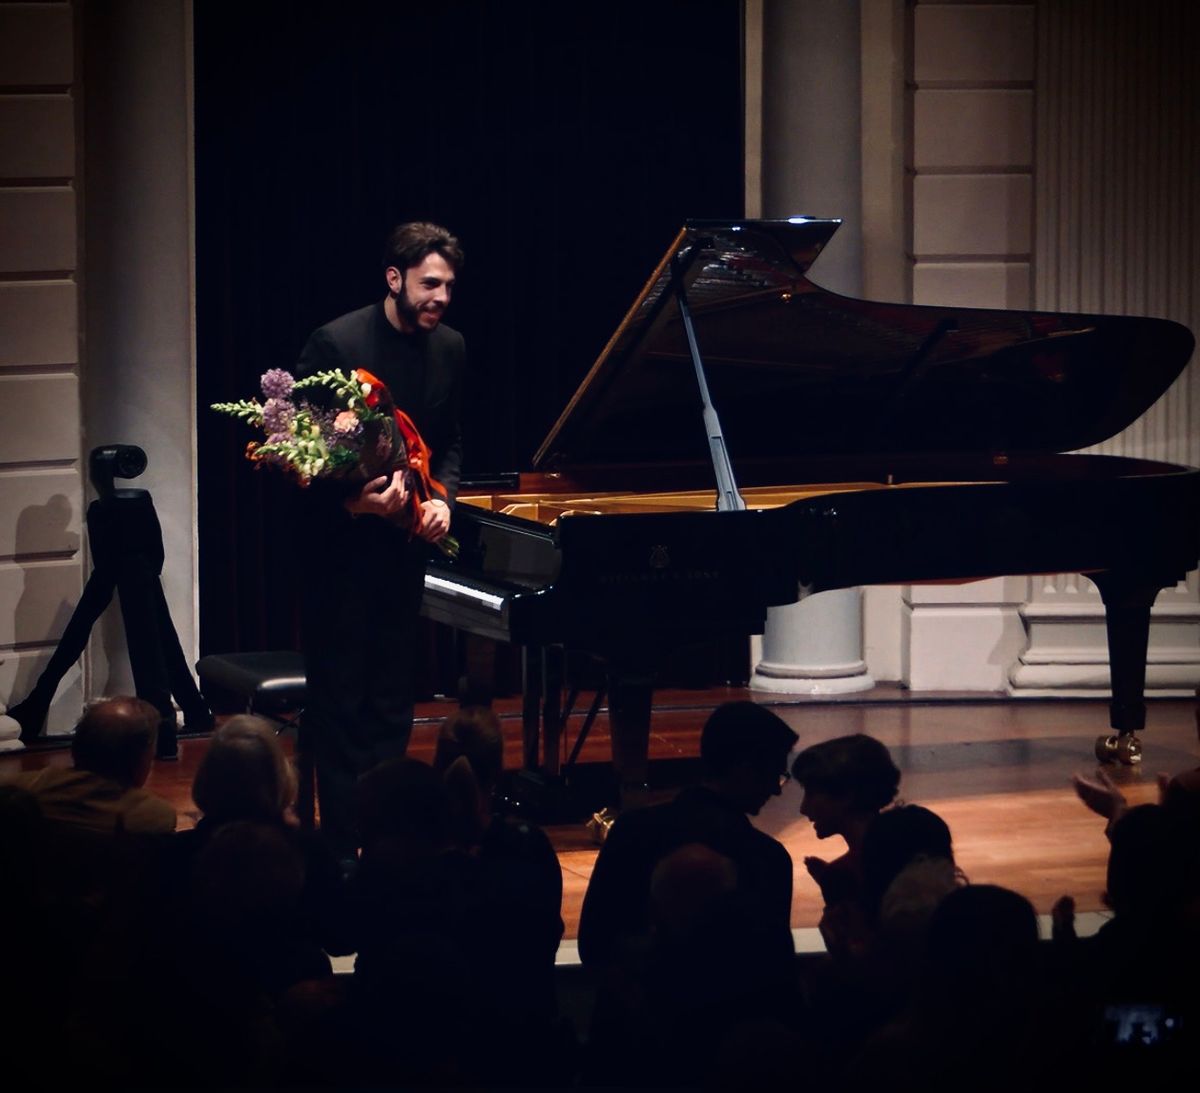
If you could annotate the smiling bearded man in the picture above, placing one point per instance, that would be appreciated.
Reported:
(365, 561)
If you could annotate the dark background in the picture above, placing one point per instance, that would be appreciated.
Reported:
(564, 143)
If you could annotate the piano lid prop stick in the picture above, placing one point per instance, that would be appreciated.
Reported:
(728, 497)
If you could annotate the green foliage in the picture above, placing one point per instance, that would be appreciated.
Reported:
(247, 410)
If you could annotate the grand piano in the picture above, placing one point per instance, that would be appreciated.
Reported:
(747, 438)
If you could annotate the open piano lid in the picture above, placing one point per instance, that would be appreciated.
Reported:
(795, 370)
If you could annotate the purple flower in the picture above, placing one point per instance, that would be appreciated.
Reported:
(277, 384)
(323, 419)
(277, 414)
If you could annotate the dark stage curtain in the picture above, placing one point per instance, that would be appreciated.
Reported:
(565, 143)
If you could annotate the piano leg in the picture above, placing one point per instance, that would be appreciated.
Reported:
(630, 690)
(542, 671)
(553, 671)
(531, 695)
(630, 700)
(1128, 599)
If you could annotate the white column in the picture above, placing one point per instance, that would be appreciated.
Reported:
(814, 647)
(139, 385)
(811, 164)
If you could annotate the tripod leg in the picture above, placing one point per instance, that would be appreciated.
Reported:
(197, 717)
(30, 713)
(138, 588)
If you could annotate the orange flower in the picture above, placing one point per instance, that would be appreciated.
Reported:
(377, 387)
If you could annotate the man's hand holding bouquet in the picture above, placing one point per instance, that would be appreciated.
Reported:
(345, 427)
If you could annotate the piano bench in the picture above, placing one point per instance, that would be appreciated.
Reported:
(266, 683)
(273, 685)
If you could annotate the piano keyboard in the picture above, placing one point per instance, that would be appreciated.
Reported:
(463, 592)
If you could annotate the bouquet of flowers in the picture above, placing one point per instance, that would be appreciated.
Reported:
(338, 425)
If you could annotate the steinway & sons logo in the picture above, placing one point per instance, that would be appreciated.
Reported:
(660, 570)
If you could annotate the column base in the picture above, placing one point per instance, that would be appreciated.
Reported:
(795, 682)
(1092, 681)
(10, 734)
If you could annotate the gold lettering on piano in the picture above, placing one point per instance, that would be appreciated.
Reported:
(659, 576)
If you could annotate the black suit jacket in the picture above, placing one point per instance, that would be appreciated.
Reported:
(616, 906)
(424, 373)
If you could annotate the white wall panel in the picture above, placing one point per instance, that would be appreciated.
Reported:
(37, 227)
(973, 284)
(39, 323)
(39, 419)
(41, 570)
(41, 512)
(973, 128)
(960, 647)
(37, 44)
(972, 215)
(43, 595)
(973, 42)
(37, 136)
(970, 154)
(19, 672)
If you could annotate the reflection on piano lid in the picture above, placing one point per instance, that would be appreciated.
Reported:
(797, 371)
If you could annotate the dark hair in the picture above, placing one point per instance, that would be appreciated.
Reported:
(245, 774)
(743, 732)
(1181, 798)
(858, 767)
(245, 880)
(1152, 864)
(410, 244)
(982, 944)
(402, 798)
(896, 838)
(473, 733)
(114, 736)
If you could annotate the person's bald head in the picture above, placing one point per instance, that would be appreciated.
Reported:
(115, 738)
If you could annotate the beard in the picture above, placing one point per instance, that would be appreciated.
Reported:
(410, 314)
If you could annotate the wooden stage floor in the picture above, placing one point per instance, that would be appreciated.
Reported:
(998, 771)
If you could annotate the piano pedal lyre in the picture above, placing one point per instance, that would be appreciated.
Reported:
(601, 824)
(1123, 748)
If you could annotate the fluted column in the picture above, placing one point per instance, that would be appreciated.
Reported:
(1118, 232)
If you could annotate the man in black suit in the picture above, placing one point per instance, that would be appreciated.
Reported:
(743, 753)
(365, 572)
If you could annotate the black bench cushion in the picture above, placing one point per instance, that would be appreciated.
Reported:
(262, 681)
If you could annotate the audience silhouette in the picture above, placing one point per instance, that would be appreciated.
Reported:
(112, 751)
(202, 958)
(846, 782)
(743, 756)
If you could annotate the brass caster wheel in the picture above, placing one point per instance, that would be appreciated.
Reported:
(600, 824)
(1129, 750)
(1106, 748)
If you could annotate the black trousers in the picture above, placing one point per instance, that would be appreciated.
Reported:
(359, 623)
